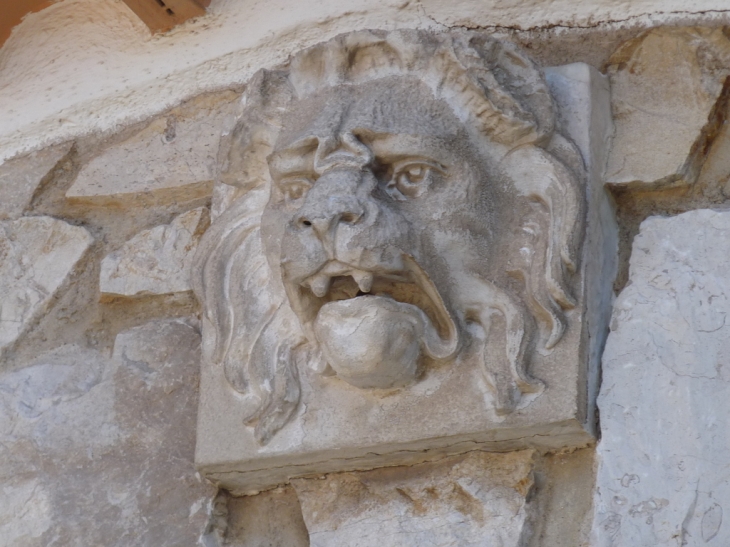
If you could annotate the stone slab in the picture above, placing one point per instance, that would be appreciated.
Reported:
(664, 84)
(98, 451)
(341, 428)
(474, 499)
(20, 177)
(663, 477)
(172, 159)
(269, 519)
(37, 255)
(155, 261)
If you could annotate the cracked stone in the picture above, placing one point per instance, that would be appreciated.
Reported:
(37, 254)
(663, 477)
(479, 498)
(664, 84)
(155, 261)
(99, 451)
(20, 177)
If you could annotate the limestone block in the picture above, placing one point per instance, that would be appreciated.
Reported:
(37, 254)
(172, 159)
(155, 261)
(269, 519)
(475, 499)
(664, 84)
(98, 451)
(20, 177)
(411, 280)
(663, 477)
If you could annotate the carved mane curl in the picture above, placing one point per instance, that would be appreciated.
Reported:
(497, 93)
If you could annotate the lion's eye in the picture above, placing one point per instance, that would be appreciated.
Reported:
(412, 179)
(295, 188)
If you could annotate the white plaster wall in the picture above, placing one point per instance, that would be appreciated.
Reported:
(88, 65)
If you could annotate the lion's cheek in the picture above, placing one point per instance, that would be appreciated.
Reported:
(371, 341)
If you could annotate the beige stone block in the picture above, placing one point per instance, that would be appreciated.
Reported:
(475, 499)
(99, 451)
(663, 477)
(20, 177)
(269, 519)
(172, 159)
(155, 261)
(37, 254)
(664, 85)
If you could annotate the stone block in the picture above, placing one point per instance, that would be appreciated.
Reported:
(371, 297)
(663, 477)
(269, 519)
(664, 85)
(20, 177)
(37, 254)
(474, 499)
(99, 451)
(155, 261)
(172, 159)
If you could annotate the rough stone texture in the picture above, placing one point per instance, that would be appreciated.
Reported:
(20, 177)
(663, 477)
(664, 85)
(172, 159)
(269, 519)
(37, 254)
(155, 261)
(562, 505)
(475, 499)
(98, 451)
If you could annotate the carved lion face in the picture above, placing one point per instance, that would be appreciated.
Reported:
(396, 219)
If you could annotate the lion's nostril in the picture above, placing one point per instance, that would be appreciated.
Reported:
(349, 218)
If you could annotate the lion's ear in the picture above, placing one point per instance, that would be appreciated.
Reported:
(243, 150)
(540, 177)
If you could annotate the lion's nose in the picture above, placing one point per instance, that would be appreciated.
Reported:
(323, 224)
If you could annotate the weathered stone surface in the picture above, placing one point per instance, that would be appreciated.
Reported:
(172, 159)
(562, 502)
(664, 84)
(37, 254)
(475, 499)
(269, 519)
(416, 264)
(20, 177)
(98, 451)
(155, 261)
(663, 477)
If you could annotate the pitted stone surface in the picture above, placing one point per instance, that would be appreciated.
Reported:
(663, 477)
(664, 84)
(172, 159)
(98, 451)
(155, 261)
(37, 254)
(475, 499)
(20, 177)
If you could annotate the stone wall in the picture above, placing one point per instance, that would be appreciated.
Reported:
(102, 336)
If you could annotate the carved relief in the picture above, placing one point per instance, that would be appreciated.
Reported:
(402, 201)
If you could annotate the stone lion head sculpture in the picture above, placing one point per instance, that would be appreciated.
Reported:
(399, 199)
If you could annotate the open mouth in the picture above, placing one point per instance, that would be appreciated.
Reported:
(337, 281)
